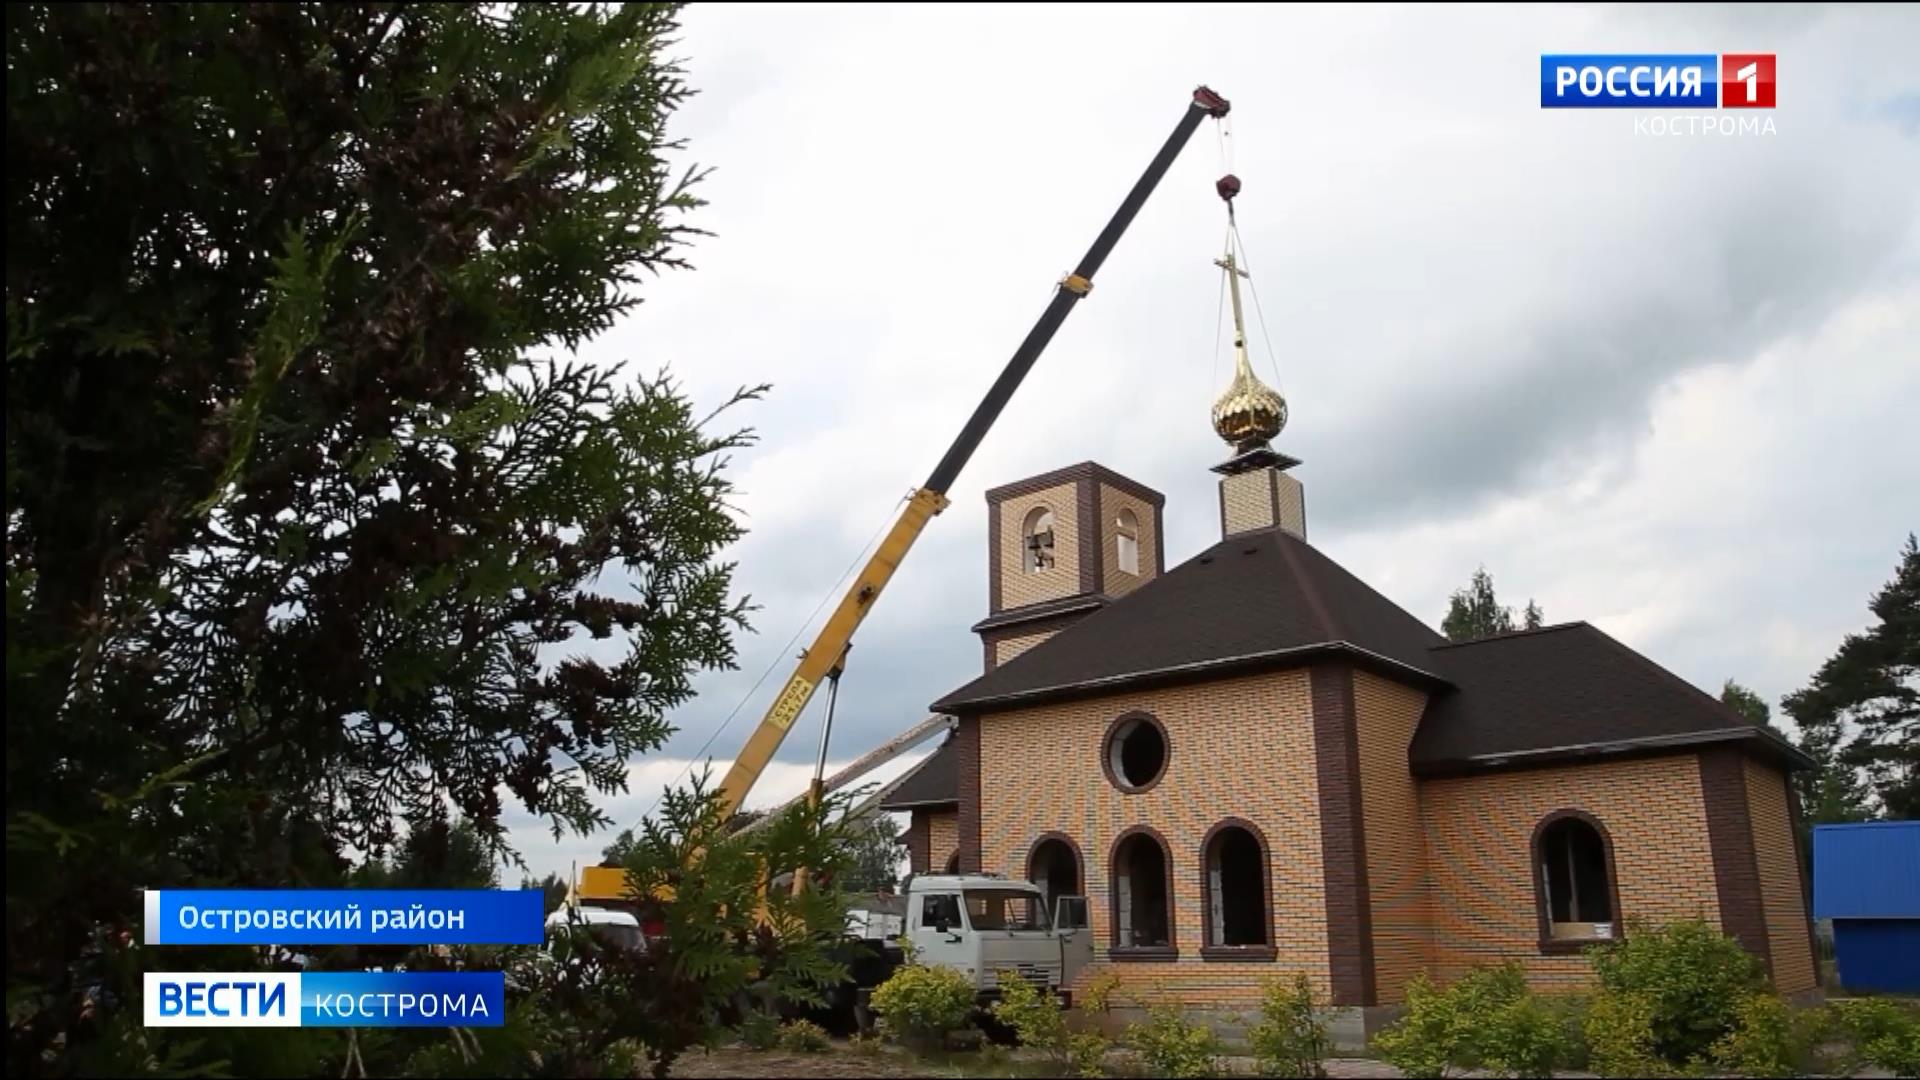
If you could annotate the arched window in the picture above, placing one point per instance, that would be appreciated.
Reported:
(1574, 886)
(1236, 886)
(1142, 897)
(1126, 531)
(1054, 865)
(1036, 540)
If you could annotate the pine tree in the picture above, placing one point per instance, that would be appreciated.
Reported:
(296, 516)
(1862, 708)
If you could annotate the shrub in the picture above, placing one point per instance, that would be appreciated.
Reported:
(1087, 1054)
(1032, 1015)
(863, 1045)
(1289, 1040)
(759, 1030)
(1488, 1019)
(1767, 1039)
(803, 1037)
(921, 1006)
(1097, 996)
(1170, 1045)
(1885, 1034)
(1619, 1031)
(1692, 977)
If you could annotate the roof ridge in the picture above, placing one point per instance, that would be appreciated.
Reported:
(1553, 628)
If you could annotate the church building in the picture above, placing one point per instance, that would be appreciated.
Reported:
(1253, 764)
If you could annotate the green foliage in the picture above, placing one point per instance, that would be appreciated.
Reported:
(803, 1037)
(436, 855)
(1087, 1054)
(1289, 1039)
(553, 890)
(1768, 1039)
(759, 1030)
(866, 1046)
(1885, 1034)
(1692, 976)
(1168, 1044)
(920, 1006)
(1097, 992)
(1475, 612)
(1524, 1037)
(1861, 710)
(1488, 1020)
(1034, 1016)
(874, 858)
(1619, 1036)
(297, 520)
(1747, 704)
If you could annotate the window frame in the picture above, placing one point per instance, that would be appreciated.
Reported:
(1140, 954)
(1543, 912)
(1208, 950)
(1079, 860)
(1108, 745)
(1126, 535)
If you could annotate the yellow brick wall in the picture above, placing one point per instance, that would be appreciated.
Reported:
(1479, 832)
(1293, 504)
(1248, 498)
(1780, 883)
(1018, 586)
(1118, 582)
(943, 839)
(1385, 716)
(1006, 650)
(1239, 747)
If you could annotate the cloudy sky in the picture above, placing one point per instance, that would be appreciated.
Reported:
(1669, 384)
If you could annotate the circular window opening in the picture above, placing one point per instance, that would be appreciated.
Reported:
(1136, 753)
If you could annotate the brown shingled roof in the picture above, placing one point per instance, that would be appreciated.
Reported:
(1564, 692)
(933, 782)
(1259, 598)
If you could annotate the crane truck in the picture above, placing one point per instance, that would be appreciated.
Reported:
(978, 924)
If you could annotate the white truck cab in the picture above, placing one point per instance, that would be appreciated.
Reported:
(982, 924)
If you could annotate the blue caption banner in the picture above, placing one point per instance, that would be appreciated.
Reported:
(1629, 81)
(344, 917)
(404, 999)
(324, 999)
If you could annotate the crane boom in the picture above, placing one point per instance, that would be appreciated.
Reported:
(931, 498)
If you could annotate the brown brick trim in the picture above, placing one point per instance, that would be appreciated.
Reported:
(1736, 869)
(1106, 753)
(1223, 507)
(1140, 953)
(1550, 945)
(1085, 470)
(1264, 950)
(1087, 505)
(919, 841)
(987, 652)
(1343, 843)
(1079, 860)
(1273, 495)
(966, 751)
(1801, 861)
(995, 512)
(1160, 535)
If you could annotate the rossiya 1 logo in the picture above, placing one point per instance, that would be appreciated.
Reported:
(1657, 81)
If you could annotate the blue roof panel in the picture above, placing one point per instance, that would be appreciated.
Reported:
(1867, 871)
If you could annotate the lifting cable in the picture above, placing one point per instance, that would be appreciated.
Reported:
(1228, 186)
(779, 658)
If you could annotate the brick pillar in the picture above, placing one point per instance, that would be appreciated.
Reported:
(966, 750)
(1736, 869)
(1343, 844)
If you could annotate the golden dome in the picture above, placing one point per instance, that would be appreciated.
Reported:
(1250, 413)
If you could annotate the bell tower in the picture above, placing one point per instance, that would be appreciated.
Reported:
(1255, 490)
(1060, 546)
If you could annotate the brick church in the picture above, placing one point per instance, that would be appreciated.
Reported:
(1253, 764)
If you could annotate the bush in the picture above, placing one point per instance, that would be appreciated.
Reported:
(1487, 1020)
(1170, 1045)
(1040, 1024)
(1885, 1034)
(1692, 978)
(920, 1006)
(1087, 1054)
(1619, 1031)
(863, 1045)
(1289, 1040)
(803, 1037)
(759, 1030)
(1098, 993)
(1768, 1039)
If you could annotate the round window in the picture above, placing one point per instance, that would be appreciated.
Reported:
(1136, 752)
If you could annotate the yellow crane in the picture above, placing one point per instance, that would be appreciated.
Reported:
(822, 658)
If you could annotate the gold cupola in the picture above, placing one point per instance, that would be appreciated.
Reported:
(1250, 413)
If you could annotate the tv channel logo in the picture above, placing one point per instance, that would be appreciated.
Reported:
(1657, 81)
